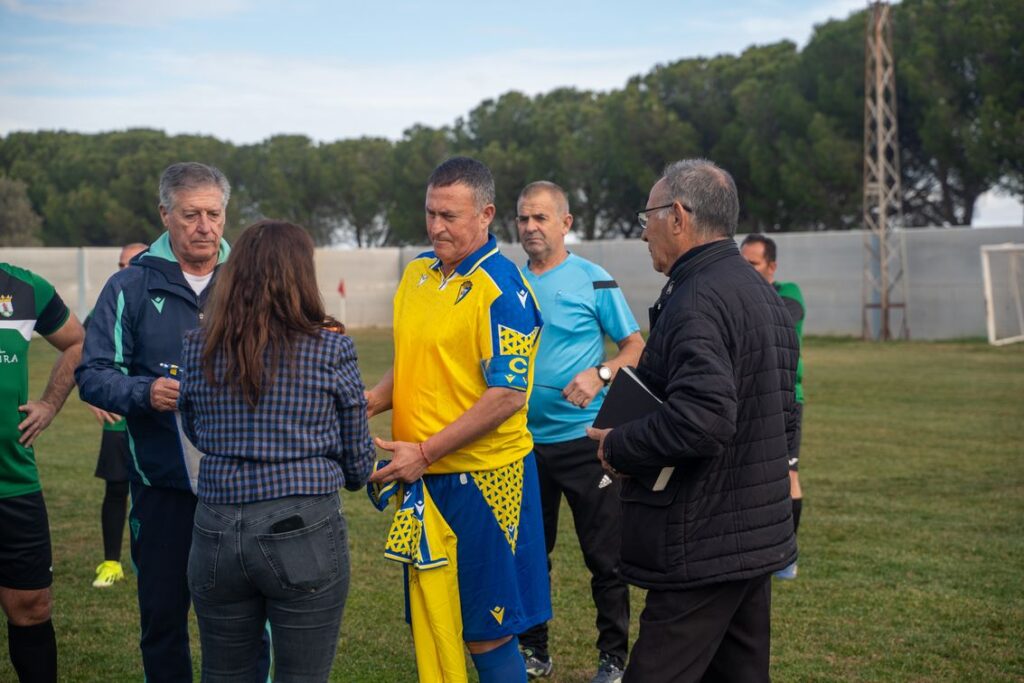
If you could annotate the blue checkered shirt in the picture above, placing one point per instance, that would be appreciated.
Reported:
(307, 436)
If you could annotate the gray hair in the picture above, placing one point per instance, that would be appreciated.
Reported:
(555, 190)
(469, 172)
(190, 175)
(710, 194)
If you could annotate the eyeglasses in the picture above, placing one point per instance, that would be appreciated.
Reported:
(641, 215)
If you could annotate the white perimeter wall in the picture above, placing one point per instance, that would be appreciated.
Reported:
(946, 299)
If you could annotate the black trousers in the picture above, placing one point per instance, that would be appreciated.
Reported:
(572, 468)
(714, 633)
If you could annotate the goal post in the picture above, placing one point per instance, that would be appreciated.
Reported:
(1002, 267)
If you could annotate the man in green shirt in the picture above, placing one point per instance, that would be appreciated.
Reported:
(760, 252)
(29, 303)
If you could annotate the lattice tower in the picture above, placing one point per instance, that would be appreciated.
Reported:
(884, 290)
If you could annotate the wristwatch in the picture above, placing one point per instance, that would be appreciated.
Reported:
(605, 373)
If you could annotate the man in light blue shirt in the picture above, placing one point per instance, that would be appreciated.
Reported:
(580, 304)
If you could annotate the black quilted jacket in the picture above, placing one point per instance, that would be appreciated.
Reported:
(722, 353)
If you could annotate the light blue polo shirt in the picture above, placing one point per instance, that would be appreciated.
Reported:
(580, 303)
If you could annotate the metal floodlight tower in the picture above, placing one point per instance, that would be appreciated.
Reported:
(884, 290)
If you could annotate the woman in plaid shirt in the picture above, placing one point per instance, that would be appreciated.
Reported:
(272, 396)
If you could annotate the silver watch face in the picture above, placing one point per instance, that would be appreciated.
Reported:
(604, 372)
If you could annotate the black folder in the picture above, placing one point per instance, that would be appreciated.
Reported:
(629, 399)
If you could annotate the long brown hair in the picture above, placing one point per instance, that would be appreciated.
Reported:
(265, 296)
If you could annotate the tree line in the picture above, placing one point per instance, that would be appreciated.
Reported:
(787, 123)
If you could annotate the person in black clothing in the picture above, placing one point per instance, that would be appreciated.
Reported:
(112, 467)
(722, 353)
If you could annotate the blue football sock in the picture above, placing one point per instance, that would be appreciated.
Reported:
(503, 664)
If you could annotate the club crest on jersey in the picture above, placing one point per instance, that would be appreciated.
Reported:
(6, 305)
(463, 291)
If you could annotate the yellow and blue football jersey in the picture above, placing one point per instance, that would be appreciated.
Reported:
(455, 337)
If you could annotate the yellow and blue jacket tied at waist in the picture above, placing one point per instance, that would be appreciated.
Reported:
(407, 541)
(421, 539)
(497, 585)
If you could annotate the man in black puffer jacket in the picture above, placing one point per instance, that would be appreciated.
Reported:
(722, 353)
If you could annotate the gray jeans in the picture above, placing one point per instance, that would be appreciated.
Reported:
(284, 561)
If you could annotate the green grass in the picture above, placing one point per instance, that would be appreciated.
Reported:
(912, 550)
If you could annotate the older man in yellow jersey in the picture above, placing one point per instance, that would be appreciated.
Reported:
(466, 327)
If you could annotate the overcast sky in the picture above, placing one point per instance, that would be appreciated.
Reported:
(243, 70)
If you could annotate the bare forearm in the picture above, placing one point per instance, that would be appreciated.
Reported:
(495, 407)
(411, 460)
(630, 349)
(588, 383)
(62, 377)
(379, 398)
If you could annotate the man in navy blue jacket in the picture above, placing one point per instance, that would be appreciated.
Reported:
(129, 367)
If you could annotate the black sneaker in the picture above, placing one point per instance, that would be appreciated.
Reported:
(537, 665)
(609, 669)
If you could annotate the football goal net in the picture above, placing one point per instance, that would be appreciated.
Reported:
(1002, 266)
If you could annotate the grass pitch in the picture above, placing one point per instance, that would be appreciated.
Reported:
(911, 545)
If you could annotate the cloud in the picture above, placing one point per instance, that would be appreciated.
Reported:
(245, 97)
(995, 209)
(26, 73)
(95, 80)
(121, 12)
(728, 27)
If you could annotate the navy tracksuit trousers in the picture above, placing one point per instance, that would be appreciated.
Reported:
(161, 522)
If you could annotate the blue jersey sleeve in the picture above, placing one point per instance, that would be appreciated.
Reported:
(515, 329)
(613, 312)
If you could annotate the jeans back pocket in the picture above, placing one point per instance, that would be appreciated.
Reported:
(306, 559)
(202, 559)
